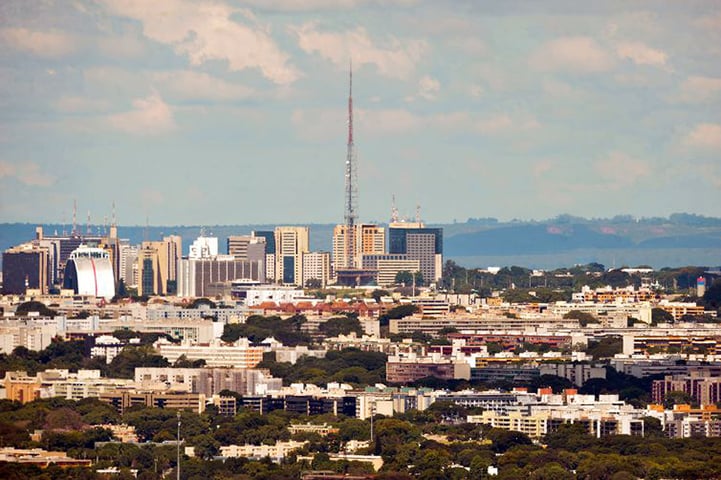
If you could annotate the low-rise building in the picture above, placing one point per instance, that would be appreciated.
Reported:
(40, 457)
(239, 354)
(122, 399)
(276, 452)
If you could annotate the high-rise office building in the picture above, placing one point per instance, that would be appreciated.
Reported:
(26, 267)
(290, 245)
(269, 237)
(388, 266)
(316, 266)
(209, 276)
(203, 247)
(157, 266)
(247, 247)
(129, 263)
(420, 243)
(369, 240)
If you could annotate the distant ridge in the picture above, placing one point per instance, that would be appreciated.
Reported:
(666, 241)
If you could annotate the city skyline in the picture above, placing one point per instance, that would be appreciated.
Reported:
(235, 112)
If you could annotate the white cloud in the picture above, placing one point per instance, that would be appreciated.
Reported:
(641, 54)
(43, 44)
(572, 54)
(28, 173)
(127, 46)
(699, 89)
(621, 170)
(151, 116)
(76, 104)
(313, 5)
(428, 87)
(190, 85)
(206, 31)
(396, 59)
(705, 135)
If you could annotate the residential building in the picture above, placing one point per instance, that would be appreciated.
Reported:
(216, 353)
(276, 452)
(700, 385)
(209, 381)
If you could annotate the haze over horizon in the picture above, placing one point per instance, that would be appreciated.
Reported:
(221, 113)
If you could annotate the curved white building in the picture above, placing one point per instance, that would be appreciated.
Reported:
(89, 271)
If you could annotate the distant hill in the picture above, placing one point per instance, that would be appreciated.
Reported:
(680, 239)
(529, 239)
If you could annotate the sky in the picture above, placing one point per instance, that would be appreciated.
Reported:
(195, 112)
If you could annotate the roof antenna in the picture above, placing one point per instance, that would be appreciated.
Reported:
(394, 210)
(74, 231)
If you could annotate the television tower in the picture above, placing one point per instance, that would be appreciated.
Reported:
(351, 189)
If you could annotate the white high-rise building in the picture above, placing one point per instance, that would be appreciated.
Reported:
(203, 247)
(316, 265)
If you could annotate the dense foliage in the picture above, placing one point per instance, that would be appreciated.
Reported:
(350, 366)
(257, 328)
(431, 444)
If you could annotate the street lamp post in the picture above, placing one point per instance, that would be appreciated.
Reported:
(178, 463)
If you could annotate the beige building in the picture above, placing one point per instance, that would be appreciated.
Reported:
(290, 245)
(316, 265)
(157, 265)
(368, 239)
(275, 452)
(216, 354)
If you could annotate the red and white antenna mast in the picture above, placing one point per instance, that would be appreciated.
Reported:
(351, 192)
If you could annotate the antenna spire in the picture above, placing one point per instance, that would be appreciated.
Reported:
(394, 210)
(74, 231)
(350, 182)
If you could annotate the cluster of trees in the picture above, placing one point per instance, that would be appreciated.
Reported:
(559, 283)
(349, 366)
(74, 355)
(257, 328)
(432, 444)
